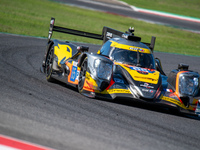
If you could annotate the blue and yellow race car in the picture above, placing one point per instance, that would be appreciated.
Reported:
(124, 67)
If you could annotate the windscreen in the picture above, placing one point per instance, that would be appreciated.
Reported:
(133, 58)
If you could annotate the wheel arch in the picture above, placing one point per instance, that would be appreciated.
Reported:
(81, 59)
(48, 46)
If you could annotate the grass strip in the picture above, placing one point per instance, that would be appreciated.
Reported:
(32, 17)
(182, 7)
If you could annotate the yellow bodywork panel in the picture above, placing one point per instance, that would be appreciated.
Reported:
(142, 74)
(174, 101)
(114, 91)
(89, 84)
(98, 52)
(131, 48)
(63, 52)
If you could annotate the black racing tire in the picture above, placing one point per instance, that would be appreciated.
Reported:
(82, 75)
(49, 64)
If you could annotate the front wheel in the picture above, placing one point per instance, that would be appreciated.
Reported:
(82, 75)
(49, 64)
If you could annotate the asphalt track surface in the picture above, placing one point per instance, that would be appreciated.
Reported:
(125, 10)
(57, 116)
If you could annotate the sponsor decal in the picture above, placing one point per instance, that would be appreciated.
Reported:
(135, 48)
(117, 80)
(151, 91)
(112, 91)
(142, 70)
(52, 22)
(75, 72)
(146, 78)
(147, 90)
(141, 50)
(146, 85)
(109, 35)
(169, 90)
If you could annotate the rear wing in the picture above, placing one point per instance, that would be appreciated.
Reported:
(107, 33)
(71, 31)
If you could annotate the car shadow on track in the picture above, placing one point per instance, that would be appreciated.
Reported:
(150, 106)
(135, 103)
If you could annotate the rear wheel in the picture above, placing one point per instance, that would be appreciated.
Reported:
(82, 75)
(49, 64)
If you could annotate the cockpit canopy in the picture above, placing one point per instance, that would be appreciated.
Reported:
(134, 58)
(129, 57)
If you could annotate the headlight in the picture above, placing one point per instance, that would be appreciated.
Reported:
(103, 69)
(188, 84)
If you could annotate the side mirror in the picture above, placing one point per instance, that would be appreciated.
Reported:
(83, 48)
(159, 66)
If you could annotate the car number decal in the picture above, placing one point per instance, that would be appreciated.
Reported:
(75, 72)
